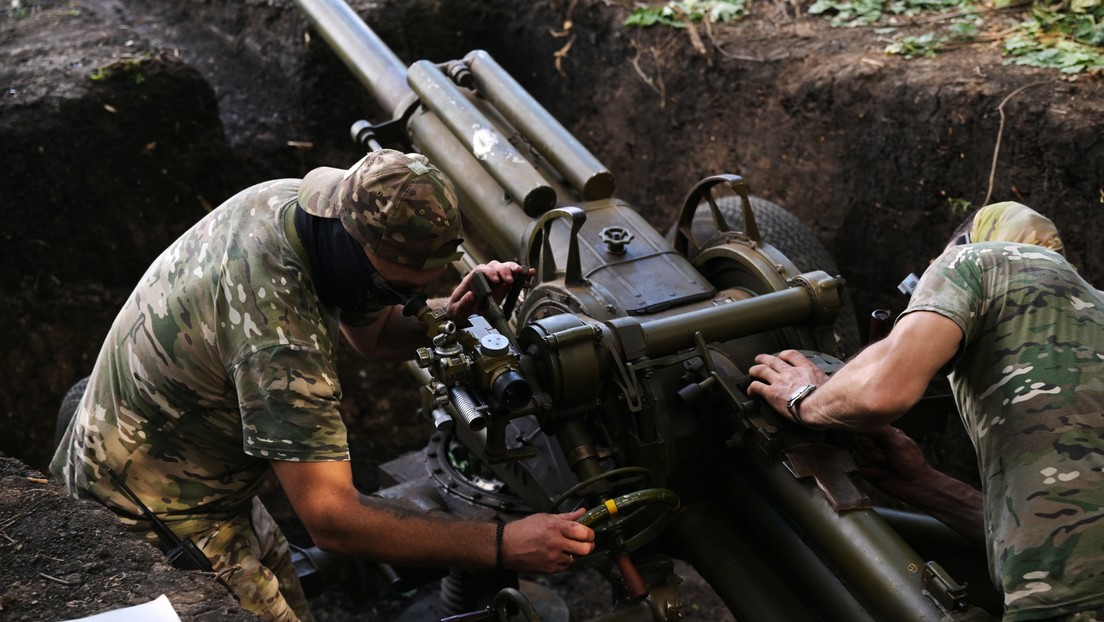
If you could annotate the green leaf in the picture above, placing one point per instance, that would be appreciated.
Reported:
(727, 11)
(651, 16)
(926, 45)
(1065, 35)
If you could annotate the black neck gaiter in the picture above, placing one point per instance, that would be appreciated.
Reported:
(343, 276)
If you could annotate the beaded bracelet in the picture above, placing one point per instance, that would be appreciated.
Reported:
(499, 530)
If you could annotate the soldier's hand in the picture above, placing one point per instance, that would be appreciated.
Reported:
(546, 543)
(500, 276)
(892, 461)
(775, 378)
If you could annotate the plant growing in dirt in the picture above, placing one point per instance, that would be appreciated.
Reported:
(1067, 36)
(126, 68)
(676, 14)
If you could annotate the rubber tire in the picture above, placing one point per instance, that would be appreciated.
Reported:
(68, 408)
(784, 231)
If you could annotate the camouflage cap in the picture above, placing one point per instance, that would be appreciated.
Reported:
(1014, 222)
(397, 205)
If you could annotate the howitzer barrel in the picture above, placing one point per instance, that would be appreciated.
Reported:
(885, 571)
(478, 134)
(583, 171)
(499, 219)
(499, 188)
(730, 559)
(362, 51)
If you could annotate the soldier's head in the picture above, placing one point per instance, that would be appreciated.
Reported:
(397, 206)
(396, 210)
(1008, 222)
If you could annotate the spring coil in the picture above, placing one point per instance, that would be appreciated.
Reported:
(465, 405)
(452, 594)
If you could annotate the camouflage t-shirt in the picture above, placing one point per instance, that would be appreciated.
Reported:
(220, 360)
(1029, 383)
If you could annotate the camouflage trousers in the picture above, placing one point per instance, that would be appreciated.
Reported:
(252, 557)
(1095, 615)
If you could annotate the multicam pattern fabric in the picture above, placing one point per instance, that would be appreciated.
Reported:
(396, 205)
(220, 361)
(1080, 616)
(1029, 382)
(250, 554)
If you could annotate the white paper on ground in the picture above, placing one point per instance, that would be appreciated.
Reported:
(157, 610)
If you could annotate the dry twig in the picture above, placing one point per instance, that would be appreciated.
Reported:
(18, 517)
(657, 84)
(695, 37)
(561, 54)
(1000, 132)
(56, 580)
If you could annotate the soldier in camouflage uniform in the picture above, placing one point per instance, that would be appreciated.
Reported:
(219, 372)
(1022, 335)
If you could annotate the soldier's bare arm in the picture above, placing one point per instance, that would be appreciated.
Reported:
(876, 387)
(392, 337)
(340, 519)
(893, 462)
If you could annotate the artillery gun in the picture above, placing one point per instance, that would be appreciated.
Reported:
(616, 379)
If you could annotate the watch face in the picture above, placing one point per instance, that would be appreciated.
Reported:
(795, 399)
(799, 393)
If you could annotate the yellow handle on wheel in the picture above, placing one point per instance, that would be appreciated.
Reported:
(611, 506)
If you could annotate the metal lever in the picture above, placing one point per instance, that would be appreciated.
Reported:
(542, 256)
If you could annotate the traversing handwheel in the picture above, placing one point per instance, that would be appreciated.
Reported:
(625, 523)
(604, 482)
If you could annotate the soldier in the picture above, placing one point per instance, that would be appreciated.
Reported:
(219, 371)
(1022, 335)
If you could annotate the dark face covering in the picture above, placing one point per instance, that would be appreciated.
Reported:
(342, 273)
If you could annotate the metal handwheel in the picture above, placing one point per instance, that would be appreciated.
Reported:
(509, 602)
(614, 477)
(625, 523)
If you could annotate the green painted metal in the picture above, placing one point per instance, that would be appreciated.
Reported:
(583, 171)
(479, 136)
(375, 66)
(619, 336)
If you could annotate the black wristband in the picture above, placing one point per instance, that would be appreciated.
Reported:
(499, 530)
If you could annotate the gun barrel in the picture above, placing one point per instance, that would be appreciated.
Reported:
(499, 219)
(567, 155)
(481, 138)
(362, 51)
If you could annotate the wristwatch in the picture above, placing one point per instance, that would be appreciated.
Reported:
(793, 405)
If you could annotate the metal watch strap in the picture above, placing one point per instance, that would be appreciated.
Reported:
(793, 405)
